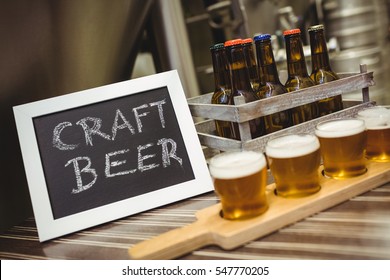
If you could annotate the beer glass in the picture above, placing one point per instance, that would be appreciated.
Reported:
(343, 143)
(240, 179)
(377, 121)
(294, 161)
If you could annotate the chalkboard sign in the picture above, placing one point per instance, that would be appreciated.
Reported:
(101, 154)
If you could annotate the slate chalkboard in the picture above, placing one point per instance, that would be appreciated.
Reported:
(104, 153)
(111, 151)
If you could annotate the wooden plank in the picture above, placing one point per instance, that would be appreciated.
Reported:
(207, 126)
(305, 96)
(347, 74)
(365, 91)
(219, 143)
(217, 112)
(267, 106)
(207, 138)
(307, 127)
(210, 228)
(201, 99)
(244, 127)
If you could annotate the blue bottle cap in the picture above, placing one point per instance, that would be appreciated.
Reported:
(262, 37)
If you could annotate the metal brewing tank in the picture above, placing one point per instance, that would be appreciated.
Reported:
(362, 31)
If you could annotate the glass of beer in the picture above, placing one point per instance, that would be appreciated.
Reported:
(377, 120)
(343, 143)
(240, 180)
(294, 161)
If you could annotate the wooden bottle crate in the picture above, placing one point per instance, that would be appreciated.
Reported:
(201, 106)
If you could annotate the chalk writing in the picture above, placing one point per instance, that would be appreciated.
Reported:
(125, 124)
(166, 155)
(111, 150)
(77, 171)
(92, 125)
(57, 143)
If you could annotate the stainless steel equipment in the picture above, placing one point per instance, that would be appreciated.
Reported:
(356, 23)
(362, 31)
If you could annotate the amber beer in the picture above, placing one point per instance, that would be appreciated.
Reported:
(240, 179)
(343, 144)
(377, 121)
(294, 161)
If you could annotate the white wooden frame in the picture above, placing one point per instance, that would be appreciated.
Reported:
(48, 227)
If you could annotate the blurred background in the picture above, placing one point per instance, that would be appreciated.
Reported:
(49, 48)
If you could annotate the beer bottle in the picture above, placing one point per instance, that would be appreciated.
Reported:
(321, 70)
(222, 89)
(270, 84)
(251, 62)
(241, 86)
(298, 77)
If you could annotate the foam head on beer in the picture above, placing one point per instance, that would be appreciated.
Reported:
(236, 164)
(375, 117)
(292, 146)
(339, 128)
(294, 161)
(240, 180)
(377, 122)
(343, 144)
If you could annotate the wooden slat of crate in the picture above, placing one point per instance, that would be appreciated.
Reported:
(201, 106)
(206, 131)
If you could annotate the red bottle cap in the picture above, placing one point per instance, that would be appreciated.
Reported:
(247, 41)
(292, 31)
(233, 42)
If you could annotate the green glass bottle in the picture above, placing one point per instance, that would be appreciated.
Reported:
(270, 84)
(241, 86)
(298, 77)
(251, 62)
(222, 87)
(321, 70)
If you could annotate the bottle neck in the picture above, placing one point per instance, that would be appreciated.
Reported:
(251, 63)
(239, 70)
(296, 63)
(319, 51)
(266, 62)
(221, 69)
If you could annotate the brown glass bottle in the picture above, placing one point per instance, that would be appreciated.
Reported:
(321, 70)
(298, 77)
(222, 89)
(251, 62)
(241, 86)
(270, 84)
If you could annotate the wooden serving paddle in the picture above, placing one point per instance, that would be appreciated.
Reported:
(210, 228)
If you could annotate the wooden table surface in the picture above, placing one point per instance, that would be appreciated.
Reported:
(355, 229)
